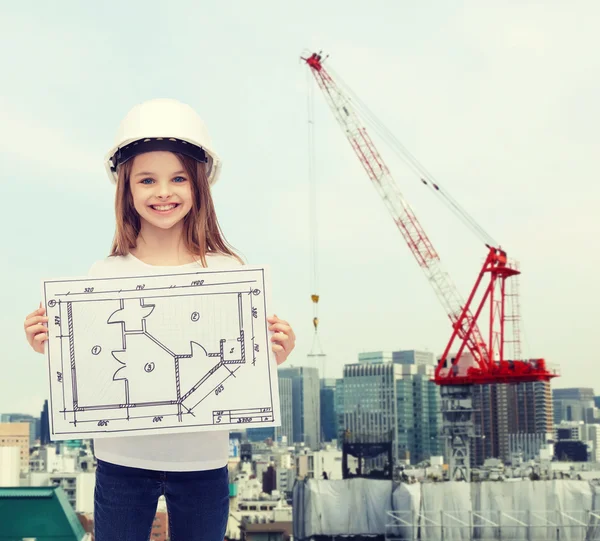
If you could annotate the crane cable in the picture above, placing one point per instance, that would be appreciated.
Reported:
(403, 153)
(316, 350)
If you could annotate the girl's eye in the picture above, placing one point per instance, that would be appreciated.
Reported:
(179, 179)
(147, 181)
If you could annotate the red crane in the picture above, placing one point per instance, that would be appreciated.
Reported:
(477, 360)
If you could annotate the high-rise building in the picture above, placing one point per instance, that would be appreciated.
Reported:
(506, 416)
(285, 403)
(573, 404)
(489, 404)
(427, 418)
(329, 425)
(338, 404)
(530, 408)
(306, 407)
(45, 425)
(370, 402)
(383, 396)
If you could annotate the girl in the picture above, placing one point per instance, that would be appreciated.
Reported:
(163, 166)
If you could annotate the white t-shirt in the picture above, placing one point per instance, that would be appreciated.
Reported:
(194, 451)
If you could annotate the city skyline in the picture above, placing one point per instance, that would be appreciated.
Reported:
(498, 102)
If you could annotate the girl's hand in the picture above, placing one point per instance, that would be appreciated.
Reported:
(36, 330)
(284, 339)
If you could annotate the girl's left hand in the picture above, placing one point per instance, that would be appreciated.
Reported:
(284, 339)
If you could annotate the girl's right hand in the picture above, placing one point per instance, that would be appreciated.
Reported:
(35, 330)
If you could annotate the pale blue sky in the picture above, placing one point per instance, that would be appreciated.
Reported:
(498, 100)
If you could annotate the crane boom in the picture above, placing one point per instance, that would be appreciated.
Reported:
(486, 363)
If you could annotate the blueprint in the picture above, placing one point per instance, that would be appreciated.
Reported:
(160, 354)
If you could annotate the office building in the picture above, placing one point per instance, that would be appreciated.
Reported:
(285, 402)
(593, 441)
(45, 425)
(383, 397)
(376, 357)
(23, 418)
(574, 404)
(329, 425)
(585, 394)
(338, 400)
(16, 435)
(410, 356)
(419, 358)
(427, 418)
(306, 408)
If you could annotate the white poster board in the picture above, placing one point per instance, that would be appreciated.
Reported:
(160, 353)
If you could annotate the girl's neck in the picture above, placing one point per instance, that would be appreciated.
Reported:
(162, 247)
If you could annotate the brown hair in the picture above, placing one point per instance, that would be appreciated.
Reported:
(202, 233)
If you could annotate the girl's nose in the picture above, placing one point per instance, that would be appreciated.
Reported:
(164, 189)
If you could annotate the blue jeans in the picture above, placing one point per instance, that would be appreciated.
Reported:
(125, 502)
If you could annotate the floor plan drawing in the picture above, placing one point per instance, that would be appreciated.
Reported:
(167, 353)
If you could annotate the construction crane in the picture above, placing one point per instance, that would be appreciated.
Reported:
(469, 358)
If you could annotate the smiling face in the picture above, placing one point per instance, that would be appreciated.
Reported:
(161, 190)
(164, 197)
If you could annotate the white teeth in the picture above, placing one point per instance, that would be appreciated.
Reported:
(163, 207)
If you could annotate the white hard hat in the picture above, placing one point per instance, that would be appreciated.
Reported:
(163, 124)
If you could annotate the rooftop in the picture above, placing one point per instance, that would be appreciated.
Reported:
(42, 513)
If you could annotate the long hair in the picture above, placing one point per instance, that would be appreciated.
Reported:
(201, 231)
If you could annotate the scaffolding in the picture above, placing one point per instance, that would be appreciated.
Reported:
(493, 525)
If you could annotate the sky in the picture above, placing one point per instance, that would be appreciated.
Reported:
(499, 101)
